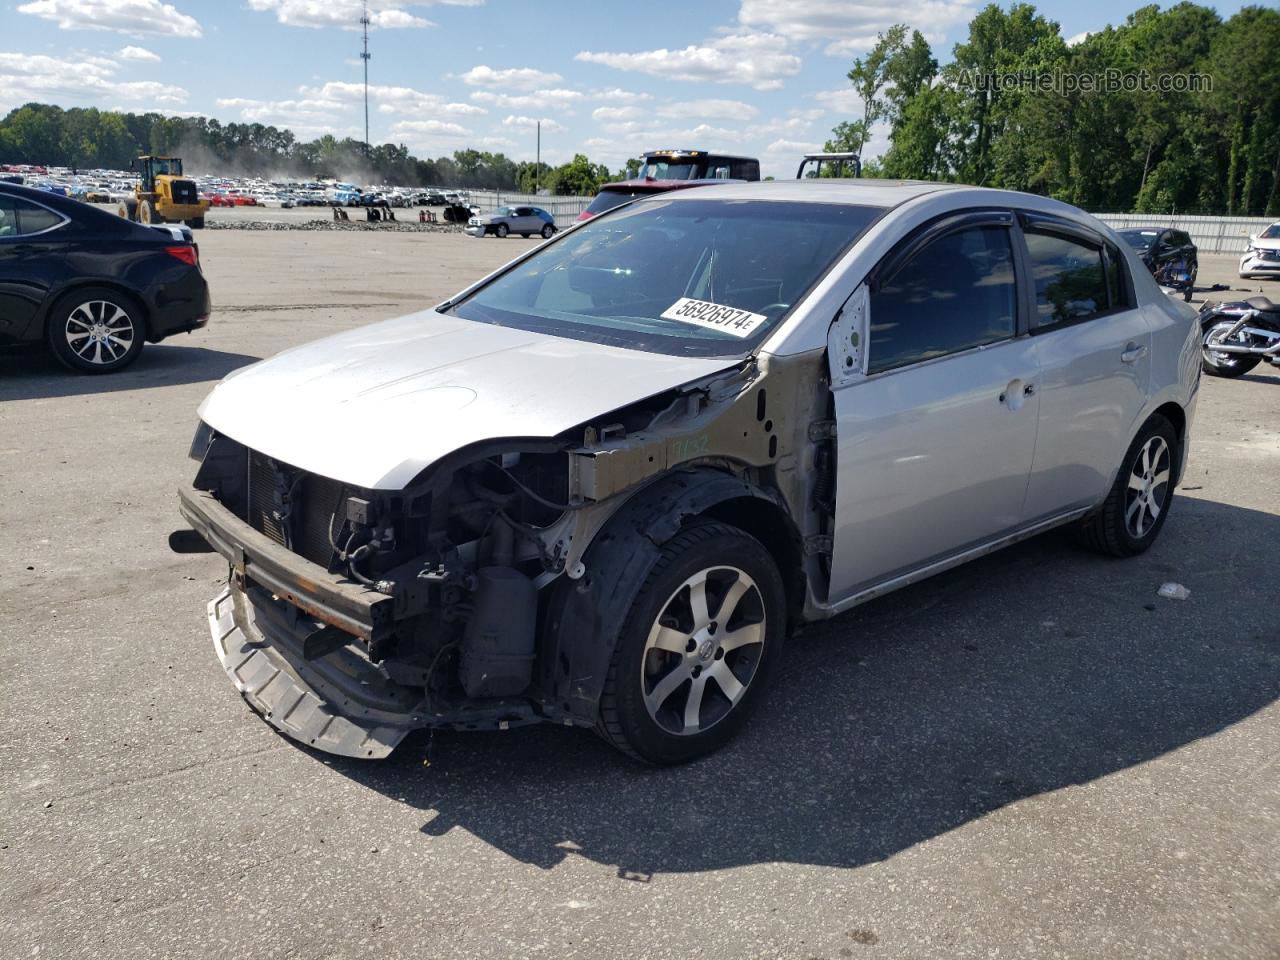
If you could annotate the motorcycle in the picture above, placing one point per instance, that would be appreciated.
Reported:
(1237, 336)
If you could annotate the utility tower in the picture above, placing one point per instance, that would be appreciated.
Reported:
(364, 25)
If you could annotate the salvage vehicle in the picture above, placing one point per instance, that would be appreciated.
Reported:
(92, 286)
(1169, 254)
(1239, 335)
(1262, 257)
(599, 486)
(525, 221)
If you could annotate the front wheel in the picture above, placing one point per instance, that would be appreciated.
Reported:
(1218, 363)
(548, 232)
(696, 648)
(96, 330)
(501, 231)
(1138, 504)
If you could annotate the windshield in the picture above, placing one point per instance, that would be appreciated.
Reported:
(1139, 240)
(682, 277)
(504, 212)
(1271, 233)
(667, 170)
(608, 199)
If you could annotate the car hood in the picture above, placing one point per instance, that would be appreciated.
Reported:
(374, 406)
(1266, 243)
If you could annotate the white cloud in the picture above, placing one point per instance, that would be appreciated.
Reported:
(529, 123)
(554, 99)
(698, 109)
(308, 114)
(389, 99)
(843, 100)
(435, 137)
(517, 78)
(796, 148)
(139, 54)
(616, 95)
(758, 60)
(85, 79)
(617, 114)
(120, 16)
(1078, 38)
(383, 14)
(846, 26)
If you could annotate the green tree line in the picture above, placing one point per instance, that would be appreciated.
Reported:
(1214, 150)
(87, 138)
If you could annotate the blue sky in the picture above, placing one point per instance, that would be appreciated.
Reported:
(606, 78)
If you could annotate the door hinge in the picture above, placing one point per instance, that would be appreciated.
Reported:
(818, 544)
(822, 430)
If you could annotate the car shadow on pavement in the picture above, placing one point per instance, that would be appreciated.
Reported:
(1037, 669)
(31, 373)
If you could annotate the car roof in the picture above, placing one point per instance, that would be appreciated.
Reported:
(869, 192)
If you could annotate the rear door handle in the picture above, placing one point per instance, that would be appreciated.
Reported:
(1133, 353)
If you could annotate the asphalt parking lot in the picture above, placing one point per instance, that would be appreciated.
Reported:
(1033, 755)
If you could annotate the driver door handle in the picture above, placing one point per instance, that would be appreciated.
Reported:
(1133, 353)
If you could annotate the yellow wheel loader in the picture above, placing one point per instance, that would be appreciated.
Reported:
(164, 195)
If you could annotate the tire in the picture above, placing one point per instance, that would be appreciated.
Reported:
(196, 223)
(147, 213)
(1124, 526)
(129, 210)
(548, 232)
(663, 650)
(87, 330)
(1226, 365)
(501, 231)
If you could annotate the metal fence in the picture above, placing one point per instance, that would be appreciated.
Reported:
(1210, 234)
(564, 209)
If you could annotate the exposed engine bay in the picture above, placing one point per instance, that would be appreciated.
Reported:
(353, 615)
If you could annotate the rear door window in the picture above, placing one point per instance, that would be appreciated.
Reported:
(20, 217)
(1069, 281)
(955, 293)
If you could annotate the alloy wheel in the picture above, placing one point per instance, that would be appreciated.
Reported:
(703, 650)
(1148, 487)
(99, 332)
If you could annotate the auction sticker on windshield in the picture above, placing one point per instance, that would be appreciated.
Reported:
(716, 316)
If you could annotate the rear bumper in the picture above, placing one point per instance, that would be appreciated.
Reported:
(179, 307)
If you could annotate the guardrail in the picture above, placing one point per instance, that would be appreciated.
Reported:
(1209, 234)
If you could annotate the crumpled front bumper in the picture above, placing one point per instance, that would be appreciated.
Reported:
(300, 697)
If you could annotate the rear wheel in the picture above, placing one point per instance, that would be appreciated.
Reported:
(1218, 363)
(96, 330)
(501, 231)
(1138, 505)
(196, 224)
(696, 647)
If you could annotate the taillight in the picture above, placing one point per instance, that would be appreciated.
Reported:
(187, 254)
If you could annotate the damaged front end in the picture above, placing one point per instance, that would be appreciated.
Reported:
(354, 615)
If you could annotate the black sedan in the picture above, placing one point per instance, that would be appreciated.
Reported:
(91, 285)
(1169, 254)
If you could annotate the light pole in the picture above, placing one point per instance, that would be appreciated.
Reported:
(364, 24)
(537, 160)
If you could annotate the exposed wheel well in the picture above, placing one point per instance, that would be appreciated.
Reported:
(1178, 417)
(769, 524)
